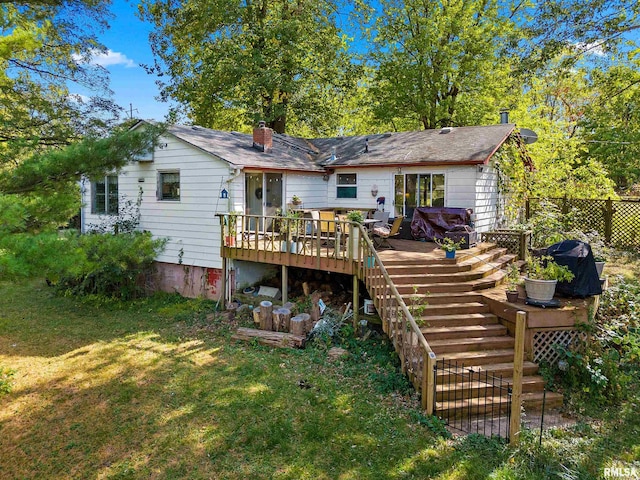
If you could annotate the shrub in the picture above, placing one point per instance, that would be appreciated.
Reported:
(110, 265)
(605, 368)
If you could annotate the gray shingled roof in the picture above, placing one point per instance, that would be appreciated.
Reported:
(462, 145)
(288, 153)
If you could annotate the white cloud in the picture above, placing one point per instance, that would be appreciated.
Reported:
(78, 98)
(592, 48)
(107, 59)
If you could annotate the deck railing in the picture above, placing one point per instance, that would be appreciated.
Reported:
(344, 241)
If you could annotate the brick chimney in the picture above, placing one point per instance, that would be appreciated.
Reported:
(262, 137)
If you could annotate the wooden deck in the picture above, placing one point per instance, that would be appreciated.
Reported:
(462, 312)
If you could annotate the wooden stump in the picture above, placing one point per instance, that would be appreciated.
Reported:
(315, 308)
(256, 315)
(298, 325)
(308, 323)
(266, 318)
(281, 319)
(274, 339)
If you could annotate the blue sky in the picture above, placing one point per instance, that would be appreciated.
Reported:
(128, 44)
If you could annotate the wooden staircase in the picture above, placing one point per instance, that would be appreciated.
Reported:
(444, 295)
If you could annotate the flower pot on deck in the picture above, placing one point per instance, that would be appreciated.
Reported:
(450, 254)
(512, 296)
(540, 290)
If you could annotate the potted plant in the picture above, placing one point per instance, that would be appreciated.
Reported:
(290, 226)
(513, 280)
(232, 229)
(296, 200)
(355, 216)
(449, 246)
(543, 274)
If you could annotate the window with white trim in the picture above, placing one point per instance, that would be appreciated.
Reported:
(169, 185)
(104, 200)
(347, 185)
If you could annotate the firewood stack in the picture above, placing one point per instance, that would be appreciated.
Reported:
(277, 327)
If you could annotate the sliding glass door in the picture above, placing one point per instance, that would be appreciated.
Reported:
(417, 190)
(263, 194)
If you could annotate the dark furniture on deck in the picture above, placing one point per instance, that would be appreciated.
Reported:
(430, 223)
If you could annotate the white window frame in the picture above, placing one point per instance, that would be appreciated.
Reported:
(109, 197)
(160, 194)
(346, 185)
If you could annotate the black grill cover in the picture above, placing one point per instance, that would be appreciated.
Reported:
(578, 257)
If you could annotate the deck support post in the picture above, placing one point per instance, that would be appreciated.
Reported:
(516, 394)
(428, 382)
(356, 302)
(224, 282)
(285, 282)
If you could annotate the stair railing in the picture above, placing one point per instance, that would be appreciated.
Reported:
(416, 356)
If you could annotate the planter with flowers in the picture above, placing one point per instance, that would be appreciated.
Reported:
(543, 274)
(513, 281)
(449, 246)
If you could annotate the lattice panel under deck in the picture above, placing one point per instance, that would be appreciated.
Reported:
(544, 342)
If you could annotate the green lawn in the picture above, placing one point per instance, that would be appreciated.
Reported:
(153, 389)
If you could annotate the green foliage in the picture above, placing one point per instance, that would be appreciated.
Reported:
(234, 63)
(434, 424)
(355, 216)
(6, 375)
(438, 64)
(513, 276)
(108, 265)
(545, 268)
(448, 245)
(604, 369)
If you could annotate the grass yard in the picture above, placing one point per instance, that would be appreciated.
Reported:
(152, 389)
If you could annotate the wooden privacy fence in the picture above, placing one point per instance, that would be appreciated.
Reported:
(618, 221)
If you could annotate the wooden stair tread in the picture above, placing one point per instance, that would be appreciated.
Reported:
(477, 354)
(482, 270)
(475, 384)
(440, 347)
(438, 332)
(552, 398)
(528, 368)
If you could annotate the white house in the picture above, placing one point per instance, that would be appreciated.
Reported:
(196, 173)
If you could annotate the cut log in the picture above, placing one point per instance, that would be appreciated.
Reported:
(308, 324)
(266, 318)
(305, 289)
(281, 319)
(315, 308)
(274, 339)
(256, 315)
(298, 325)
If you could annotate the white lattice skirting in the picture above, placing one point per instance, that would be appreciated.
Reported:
(544, 344)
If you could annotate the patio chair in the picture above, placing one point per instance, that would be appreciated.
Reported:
(382, 233)
(327, 227)
(382, 217)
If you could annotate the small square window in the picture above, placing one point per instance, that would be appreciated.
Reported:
(169, 186)
(347, 185)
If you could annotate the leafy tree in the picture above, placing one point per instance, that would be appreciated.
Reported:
(553, 106)
(437, 62)
(45, 46)
(610, 127)
(273, 60)
(571, 28)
